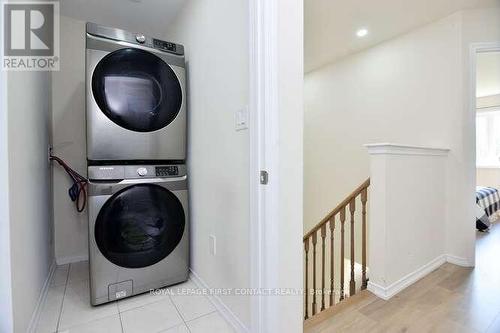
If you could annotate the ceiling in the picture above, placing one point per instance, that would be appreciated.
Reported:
(330, 25)
(488, 74)
(147, 16)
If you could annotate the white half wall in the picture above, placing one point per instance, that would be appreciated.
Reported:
(216, 42)
(407, 215)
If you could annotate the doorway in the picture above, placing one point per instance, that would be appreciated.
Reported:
(486, 102)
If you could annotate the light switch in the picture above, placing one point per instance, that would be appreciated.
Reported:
(241, 119)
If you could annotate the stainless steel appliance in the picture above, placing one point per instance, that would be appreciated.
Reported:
(136, 97)
(138, 229)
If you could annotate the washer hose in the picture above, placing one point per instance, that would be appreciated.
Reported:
(78, 190)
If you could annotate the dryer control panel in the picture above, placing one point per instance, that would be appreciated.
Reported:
(134, 38)
(120, 172)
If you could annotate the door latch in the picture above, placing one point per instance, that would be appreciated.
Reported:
(264, 177)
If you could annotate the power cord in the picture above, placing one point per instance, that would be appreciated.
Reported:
(78, 189)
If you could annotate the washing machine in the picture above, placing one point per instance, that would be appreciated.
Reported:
(135, 97)
(138, 229)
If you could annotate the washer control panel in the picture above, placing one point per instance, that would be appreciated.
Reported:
(120, 172)
(167, 171)
(165, 46)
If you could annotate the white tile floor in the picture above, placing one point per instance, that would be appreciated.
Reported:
(67, 309)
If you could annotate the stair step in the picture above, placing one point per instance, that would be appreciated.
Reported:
(351, 303)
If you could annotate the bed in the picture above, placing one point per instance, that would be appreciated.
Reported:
(487, 206)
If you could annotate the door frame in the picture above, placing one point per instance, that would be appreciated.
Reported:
(262, 111)
(474, 50)
(276, 85)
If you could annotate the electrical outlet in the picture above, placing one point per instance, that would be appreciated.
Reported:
(212, 244)
(241, 119)
(49, 153)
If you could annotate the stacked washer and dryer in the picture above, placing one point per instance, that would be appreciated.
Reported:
(136, 152)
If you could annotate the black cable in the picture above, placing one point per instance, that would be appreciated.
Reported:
(78, 189)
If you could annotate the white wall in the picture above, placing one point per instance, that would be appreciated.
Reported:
(413, 90)
(6, 324)
(216, 46)
(488, 74)
(29, 104)
(488, 177)
(400, 91)
(69, 141)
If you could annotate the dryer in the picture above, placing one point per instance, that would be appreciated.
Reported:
(136, 97)
(138, 229)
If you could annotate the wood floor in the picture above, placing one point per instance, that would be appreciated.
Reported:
(450, 299)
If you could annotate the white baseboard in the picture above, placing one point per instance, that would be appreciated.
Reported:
(388, 292)
(220, 306)
(41, 299)
(70, 260)
(459, 261)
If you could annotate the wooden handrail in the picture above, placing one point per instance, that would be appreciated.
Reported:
(345, 215)
(337, 209)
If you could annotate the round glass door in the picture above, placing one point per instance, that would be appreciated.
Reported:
(139, 226)
(136, 90)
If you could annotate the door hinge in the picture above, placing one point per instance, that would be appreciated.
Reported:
(264, 177)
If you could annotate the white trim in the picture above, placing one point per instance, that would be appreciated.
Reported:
(35, 317)
(470, 132)
(388, 292)
(272, 43)
(71, 260)
(488, 166)
(264, 152)
(396, 287)
(459, 261)
(485, 48)
(487, 109)
(223, 309)
(400, 149)
(256, 160)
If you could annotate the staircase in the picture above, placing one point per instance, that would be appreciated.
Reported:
(333, 275)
